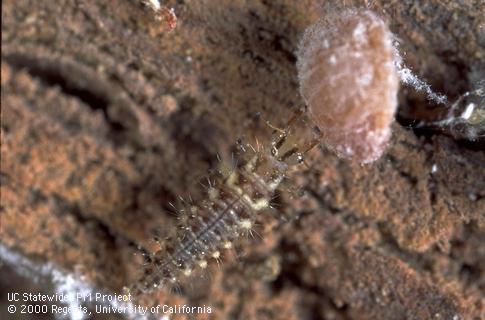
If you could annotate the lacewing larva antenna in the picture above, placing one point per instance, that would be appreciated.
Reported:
(349, 81)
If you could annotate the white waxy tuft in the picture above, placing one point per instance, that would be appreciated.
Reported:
(202, 264)
(187, 272)
(227, 245)
(246, 224)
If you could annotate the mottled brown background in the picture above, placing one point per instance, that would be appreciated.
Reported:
(106, 117)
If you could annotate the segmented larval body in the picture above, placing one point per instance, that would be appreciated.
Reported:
(235, 196)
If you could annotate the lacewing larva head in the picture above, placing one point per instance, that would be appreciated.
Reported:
(349, 82)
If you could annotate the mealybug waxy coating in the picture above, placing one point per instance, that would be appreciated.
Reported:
(349, 81)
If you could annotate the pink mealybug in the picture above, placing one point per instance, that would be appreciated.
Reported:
(348, 78)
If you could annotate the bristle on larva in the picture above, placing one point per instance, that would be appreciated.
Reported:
(349, 81)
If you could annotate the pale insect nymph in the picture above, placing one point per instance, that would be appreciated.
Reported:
(235, 197)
